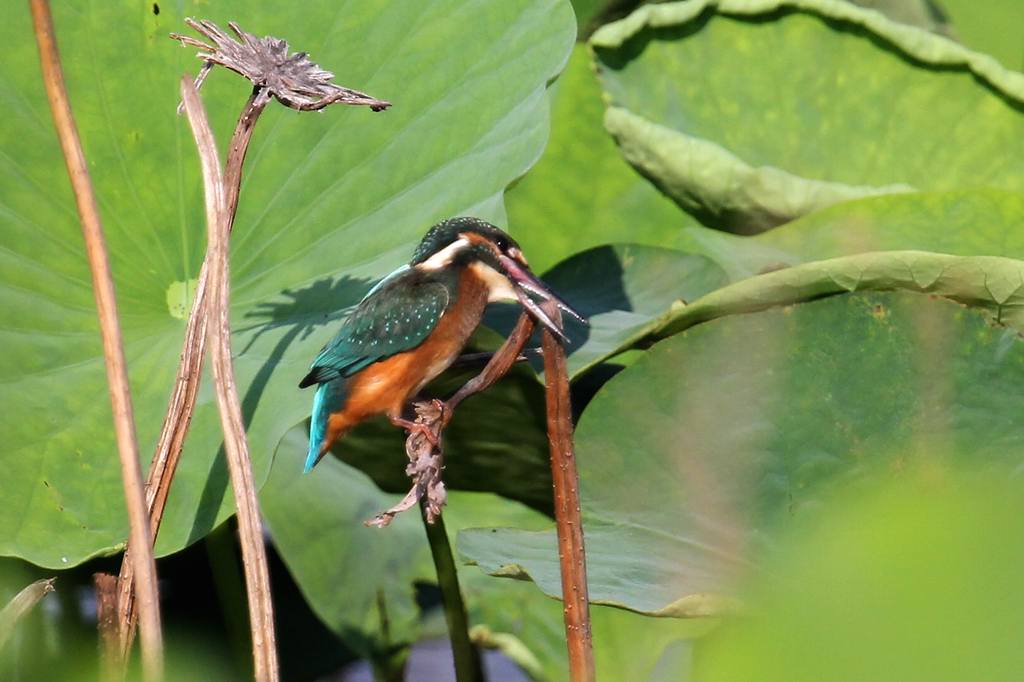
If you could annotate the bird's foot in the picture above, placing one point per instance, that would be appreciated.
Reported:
(414, 427)
(444, 414)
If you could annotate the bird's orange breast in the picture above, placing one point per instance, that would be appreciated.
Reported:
(386, 386)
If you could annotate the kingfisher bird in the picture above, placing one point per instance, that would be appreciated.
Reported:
(413, 324)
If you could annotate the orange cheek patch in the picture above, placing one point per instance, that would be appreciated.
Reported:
(474, 238)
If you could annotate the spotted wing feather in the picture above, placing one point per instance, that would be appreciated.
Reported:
(392, 319)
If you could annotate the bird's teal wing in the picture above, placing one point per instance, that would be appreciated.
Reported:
(394, 317)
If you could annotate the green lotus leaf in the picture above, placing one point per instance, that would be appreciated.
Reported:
(581, 193)
(992, 284)
(991, 27)
(696, 459)
(628, 646)
(983, 222)
(330, 203)
(727, 191)
(717, 102)
(926, 14)
(979, 222)
(623, 290)
(633, 293)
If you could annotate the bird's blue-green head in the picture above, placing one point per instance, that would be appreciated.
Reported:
(496, 258)
(463, 237)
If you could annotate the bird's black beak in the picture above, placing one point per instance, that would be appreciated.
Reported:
(527, 283)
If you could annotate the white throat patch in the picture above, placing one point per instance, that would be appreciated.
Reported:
(499, 288)
(444, 257)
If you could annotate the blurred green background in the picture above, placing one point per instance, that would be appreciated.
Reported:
(796, 226)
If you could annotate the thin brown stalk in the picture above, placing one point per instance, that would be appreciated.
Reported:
(186, 386)
(498, 365)
(105, 585)
(117, 374)
(167, 455)
(571, 554)
(257, 576)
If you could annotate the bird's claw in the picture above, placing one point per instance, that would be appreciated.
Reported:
(418, 428)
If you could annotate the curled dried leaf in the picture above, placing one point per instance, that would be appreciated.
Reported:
(426, 462)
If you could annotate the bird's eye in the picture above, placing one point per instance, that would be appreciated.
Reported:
(502, 243)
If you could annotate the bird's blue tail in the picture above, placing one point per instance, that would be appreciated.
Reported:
(329, 398)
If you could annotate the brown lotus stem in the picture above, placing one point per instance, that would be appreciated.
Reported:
(565, 480)
(105, 585)
(250, 531)
(186, 386)
(113, 347)
(498, 366)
